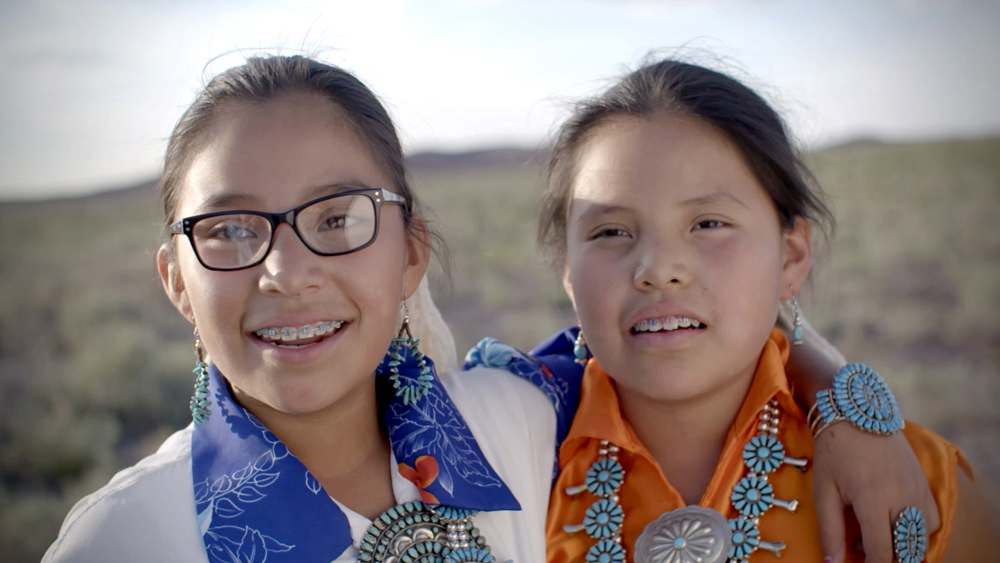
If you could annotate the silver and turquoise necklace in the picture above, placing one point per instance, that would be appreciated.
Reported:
(692, 533)
(415, 532)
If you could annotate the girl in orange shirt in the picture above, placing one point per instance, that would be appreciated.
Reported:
(681, 218)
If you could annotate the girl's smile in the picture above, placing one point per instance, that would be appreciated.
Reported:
(664, 325)
(298, 345)
(291, 337)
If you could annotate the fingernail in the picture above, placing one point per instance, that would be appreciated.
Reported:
(828, 560)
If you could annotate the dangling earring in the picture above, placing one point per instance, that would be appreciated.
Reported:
(797, 331)
(410, 392)
(580, 349)
(201, 399)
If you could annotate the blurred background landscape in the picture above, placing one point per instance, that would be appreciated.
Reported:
(95, 365)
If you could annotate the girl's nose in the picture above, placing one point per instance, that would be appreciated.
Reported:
(662, 265)
(290, 268)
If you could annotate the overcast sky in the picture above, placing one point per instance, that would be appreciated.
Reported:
(90, 89)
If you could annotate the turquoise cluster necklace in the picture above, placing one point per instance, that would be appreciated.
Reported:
(692, 534)
(415, 532)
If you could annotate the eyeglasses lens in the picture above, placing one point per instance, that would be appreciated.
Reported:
(231, 241)
(337, 225)
(331, 226)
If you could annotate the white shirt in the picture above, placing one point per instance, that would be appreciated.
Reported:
(147, 512)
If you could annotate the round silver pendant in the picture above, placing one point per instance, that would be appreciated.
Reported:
(409, 530)
(692, 534)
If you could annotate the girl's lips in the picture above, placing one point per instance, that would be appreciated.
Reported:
(666, 324)
(301, 351)
(298, 336)
(662, 312)
(666, 338)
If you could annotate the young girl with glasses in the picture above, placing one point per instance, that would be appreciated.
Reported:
(681, 218)
(321, 430)
(303, 244)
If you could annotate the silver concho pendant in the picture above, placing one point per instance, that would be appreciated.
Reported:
(692, 534)
(414, 532)
(409, 529)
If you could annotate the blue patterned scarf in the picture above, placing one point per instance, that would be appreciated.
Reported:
(255, 500)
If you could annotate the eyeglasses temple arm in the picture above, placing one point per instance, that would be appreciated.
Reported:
(391, 197)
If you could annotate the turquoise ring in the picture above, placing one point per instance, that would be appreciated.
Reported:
(909, 536)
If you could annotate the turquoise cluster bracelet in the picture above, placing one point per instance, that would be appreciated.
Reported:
(859, 396)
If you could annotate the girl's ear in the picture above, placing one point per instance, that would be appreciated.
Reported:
(173, 283)
(418, 255)
(798, 258)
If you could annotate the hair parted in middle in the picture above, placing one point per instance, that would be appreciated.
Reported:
(685, 89)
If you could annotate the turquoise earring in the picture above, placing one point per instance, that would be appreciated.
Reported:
(580, 351)
(201, 399)
(411, 392)
(797, 331)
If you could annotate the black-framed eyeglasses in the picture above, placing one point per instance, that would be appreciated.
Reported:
(336, 224)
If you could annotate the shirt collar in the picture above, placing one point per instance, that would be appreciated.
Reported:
(256, 500)
(599, 416)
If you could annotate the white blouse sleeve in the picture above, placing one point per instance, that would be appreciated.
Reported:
(147, 509)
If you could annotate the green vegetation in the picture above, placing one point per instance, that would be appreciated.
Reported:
(95, 364)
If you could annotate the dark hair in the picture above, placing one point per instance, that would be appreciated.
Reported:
(261, 79)
(684, 89)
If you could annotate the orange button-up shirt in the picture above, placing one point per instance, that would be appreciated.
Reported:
(646, 493)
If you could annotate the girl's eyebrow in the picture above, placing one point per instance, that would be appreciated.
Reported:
(226, 201)
(716, 197)
(229, 201)
(599, 210)
(596, 210)
(327, 189)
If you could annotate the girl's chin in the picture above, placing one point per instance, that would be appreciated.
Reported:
(296, 398)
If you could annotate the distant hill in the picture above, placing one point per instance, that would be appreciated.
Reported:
(491, 158)
(433, 162)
